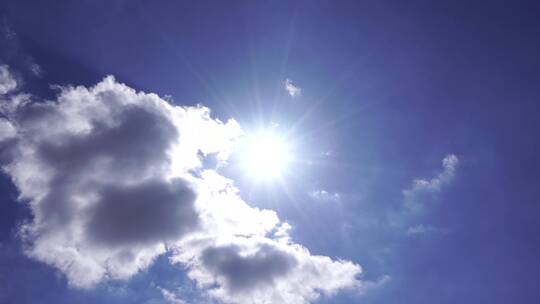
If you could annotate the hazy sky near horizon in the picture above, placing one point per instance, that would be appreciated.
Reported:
(269, 151)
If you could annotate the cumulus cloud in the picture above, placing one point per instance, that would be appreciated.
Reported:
(292, 89)
(247, 256)
(422, 187)
(7, 81)
(115, 177)
(95, 167)
(324, 195)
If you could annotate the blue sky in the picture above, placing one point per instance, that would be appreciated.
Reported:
(411, 129)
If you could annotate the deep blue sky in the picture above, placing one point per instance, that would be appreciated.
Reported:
(388, 87)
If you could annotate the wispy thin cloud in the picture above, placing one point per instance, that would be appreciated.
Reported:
(433, 185)
(14, 51)
(423, 229)
(369, 285)
(36, 69)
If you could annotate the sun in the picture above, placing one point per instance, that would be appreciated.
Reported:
(265, 156)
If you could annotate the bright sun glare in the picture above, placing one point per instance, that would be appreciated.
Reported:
(265, 156)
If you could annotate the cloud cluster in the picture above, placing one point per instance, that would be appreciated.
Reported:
(421, 187)
(115, 177)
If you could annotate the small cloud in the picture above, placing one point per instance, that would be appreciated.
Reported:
(170, 296)
(36, 69)
(324, 195)
(292, 89)
(431, 186)
(7, 81)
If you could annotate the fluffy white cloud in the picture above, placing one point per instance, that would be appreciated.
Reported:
(258, 264)
(292, 89)
(423, 186)
(7, 81)
(114, 178)
(95, 166)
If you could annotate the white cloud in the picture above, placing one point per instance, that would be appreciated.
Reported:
(170, 296)
(96, 167)
(292, 89)
(7, 81)
(324, 195)
(423, 186)
(114, 178)
(247, 253)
